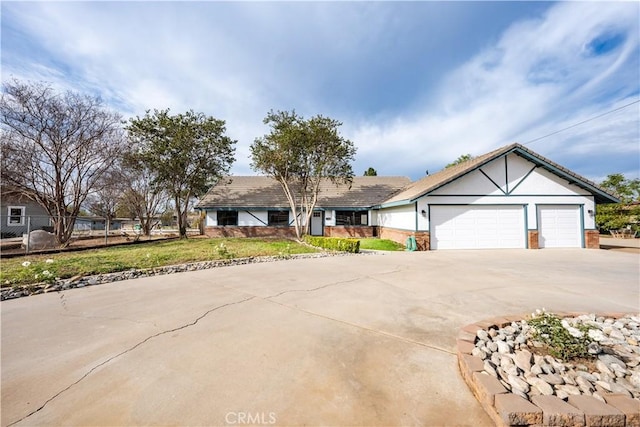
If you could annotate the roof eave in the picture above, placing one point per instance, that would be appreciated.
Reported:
(394, 204)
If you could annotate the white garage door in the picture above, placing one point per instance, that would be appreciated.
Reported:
(559, 226)
(477, 227)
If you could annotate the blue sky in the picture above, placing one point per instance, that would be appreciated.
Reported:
(416, 84)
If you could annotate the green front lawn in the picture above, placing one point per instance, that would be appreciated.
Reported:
(380, 245)
(34, 269)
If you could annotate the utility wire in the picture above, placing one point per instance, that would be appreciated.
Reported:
(583, 122)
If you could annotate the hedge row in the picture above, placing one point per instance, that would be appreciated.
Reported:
(334, 243)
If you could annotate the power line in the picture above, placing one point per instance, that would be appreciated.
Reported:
(582, 122)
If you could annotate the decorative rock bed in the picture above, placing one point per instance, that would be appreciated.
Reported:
(504, 366)
(82, 281)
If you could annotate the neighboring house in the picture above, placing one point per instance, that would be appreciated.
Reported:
(509, 198)
(257, 206)
(93, 223)
(19, 213)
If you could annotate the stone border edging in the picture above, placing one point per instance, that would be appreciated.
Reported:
(508, 409)
(99, 279)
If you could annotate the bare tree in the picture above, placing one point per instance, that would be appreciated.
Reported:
(142, 196)
(106, 197)
(56, 147)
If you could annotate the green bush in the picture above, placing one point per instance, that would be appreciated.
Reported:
(615, 216)
(334, 243)
(549, 330)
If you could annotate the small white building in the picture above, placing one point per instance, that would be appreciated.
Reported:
(508, 198)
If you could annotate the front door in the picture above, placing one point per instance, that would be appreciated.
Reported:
(316, 223)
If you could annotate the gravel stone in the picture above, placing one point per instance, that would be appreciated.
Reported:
(482, 334)
(503, 347)
(616, 368)
(523, 359)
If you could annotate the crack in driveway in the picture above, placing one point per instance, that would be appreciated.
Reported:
(354, 325)
(90, 371)
(344, 322)
(308, 290)
(250, 297)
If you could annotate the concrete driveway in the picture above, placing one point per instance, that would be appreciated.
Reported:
(361, 340)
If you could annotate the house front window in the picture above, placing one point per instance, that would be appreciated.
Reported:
(227, 218)
(278, 218)
(15, 216)
(352, 218)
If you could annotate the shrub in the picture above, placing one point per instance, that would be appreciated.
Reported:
(562, 342)
(334, 243)
(224, 253)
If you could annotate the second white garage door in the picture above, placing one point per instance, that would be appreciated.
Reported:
(477, 227)
(559, 226)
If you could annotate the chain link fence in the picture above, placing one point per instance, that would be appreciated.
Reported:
(29, 233)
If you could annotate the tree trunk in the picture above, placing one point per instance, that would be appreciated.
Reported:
(182, 220)
(63, 223)
(292, 205)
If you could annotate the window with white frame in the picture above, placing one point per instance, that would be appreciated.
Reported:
(15, 215)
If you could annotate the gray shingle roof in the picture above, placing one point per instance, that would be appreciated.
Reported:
(265, 192)
(445, 176)
(368, 191)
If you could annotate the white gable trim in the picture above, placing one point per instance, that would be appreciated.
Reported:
(510, 175)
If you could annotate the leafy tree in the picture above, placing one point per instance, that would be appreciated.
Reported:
(184, 153)
(627, 189)
(370, 172)
(614, 216)
(463, 158)
(56, 147)
(299, 154)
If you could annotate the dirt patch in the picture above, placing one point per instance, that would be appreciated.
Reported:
(14, 248)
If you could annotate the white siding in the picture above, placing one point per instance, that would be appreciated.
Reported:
(400, 217)
(252, 218)
(543, 182)
(497, 171)
(373, 217)
(212, 218)
(516, 178)
(526, 186)
(245, 218)
(472, 183)
(518, 169)
(329, 218)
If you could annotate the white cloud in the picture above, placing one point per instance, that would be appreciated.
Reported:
(236, 61)
(536, 79)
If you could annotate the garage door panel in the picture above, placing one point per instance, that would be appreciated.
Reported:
(477, 227)
(559, 226)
